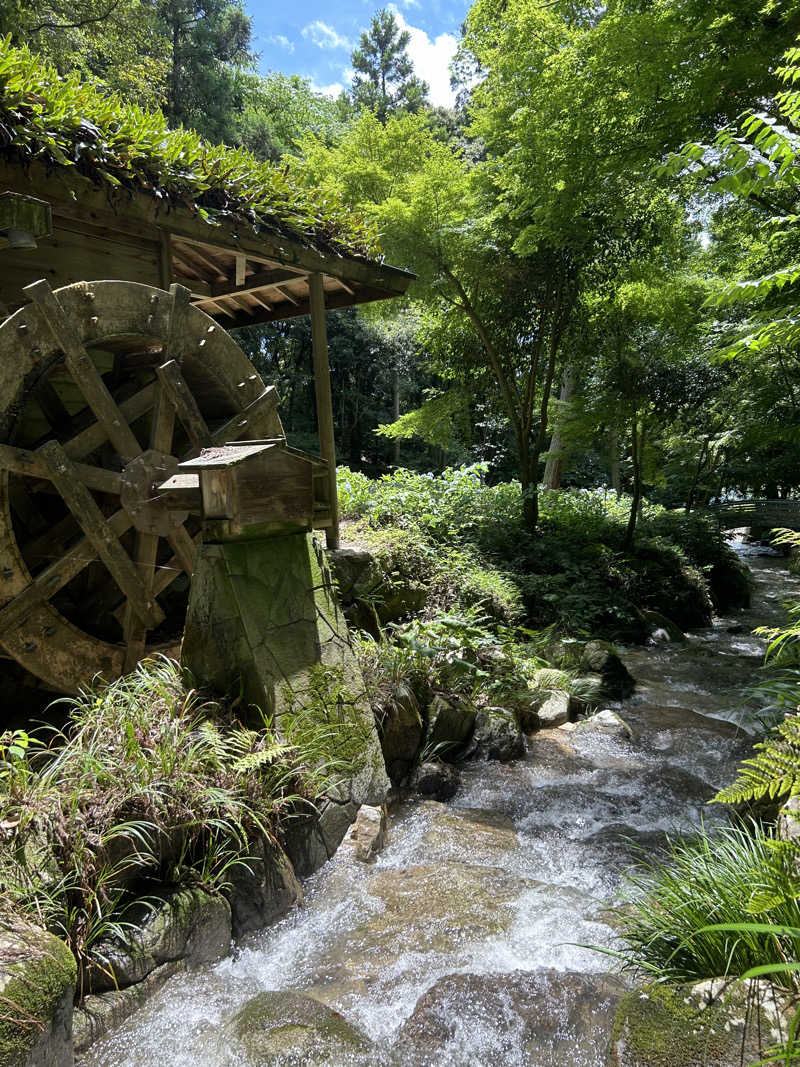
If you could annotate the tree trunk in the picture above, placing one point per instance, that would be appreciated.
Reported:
(636, 449)
(701, 462)
(396, 415)
(554, 468)
(613, 460)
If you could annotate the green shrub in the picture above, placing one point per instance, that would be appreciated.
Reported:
(737, 875)
(574, 572)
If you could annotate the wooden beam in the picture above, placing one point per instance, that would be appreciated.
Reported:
(240, 270)
(285, 293)
(262, 279)
(322, 386)
(240, 423)
(165, 260)
(141, 217)
(84, 372)
(184, 548)
(182, 399)
(194, 253)
(97, 529)
(338, 298)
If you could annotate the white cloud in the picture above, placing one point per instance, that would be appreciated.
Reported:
(324, 36)
(431, 59)
(282, 42)
(332, 90)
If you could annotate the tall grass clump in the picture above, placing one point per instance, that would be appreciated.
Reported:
(148, 787)
(739, 877)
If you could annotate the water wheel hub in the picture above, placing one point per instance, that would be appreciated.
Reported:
(138, 495)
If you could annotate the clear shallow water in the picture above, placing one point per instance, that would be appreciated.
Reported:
(514, 875)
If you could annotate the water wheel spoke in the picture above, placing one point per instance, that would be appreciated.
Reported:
(134, 628)
(84, 372)
(54, 577)
(85, 442)
(237, 426)
(174, 385)
(22, 461)
(162, 428)
(184, 547)
(96, 528)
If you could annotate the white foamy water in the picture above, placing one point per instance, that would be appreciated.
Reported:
(511, 878)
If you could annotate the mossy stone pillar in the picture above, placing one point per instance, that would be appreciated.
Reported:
(263, 618)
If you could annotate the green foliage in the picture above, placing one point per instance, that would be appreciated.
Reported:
(147, 786)
(575, 573)
(678, 907)
(384, 79)
(773, 772)
(69, 122)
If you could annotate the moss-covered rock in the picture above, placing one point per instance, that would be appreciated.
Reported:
(451, 720)
(190, 925)
(37, 987)
(401, 731)
(263, 890)
(730, 582)
(713, 1024)
(292, 1029)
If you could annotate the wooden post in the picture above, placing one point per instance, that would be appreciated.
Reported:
(322, 385)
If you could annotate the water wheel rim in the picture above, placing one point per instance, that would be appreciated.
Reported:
(98, 314)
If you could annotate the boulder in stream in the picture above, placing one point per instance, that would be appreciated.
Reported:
(37, 985)
(190, 925)
(549, 1018)
(497, 736)
(264, 889)
(435, 779)
(451, 721)
(288, 1029)
(367, 835)
(554, 710)
(606, 722)
(401, 730)
(716, 1023)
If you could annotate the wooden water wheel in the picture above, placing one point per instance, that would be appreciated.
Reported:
(104, 387)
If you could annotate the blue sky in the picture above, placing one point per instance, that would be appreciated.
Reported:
(315, 39)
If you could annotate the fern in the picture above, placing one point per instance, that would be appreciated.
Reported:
(773, 772)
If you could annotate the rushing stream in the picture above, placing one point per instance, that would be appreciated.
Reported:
(497, 889)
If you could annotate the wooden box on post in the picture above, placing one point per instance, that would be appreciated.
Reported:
(252, 489)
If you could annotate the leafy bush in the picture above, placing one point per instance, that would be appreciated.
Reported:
(738, 875)
(573, 573)
(147, 786)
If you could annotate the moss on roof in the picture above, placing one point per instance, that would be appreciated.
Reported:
(67, 122)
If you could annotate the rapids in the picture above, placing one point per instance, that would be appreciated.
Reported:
(515, 874)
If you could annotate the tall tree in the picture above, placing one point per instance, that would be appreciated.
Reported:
(384, 80)
(209, 47)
